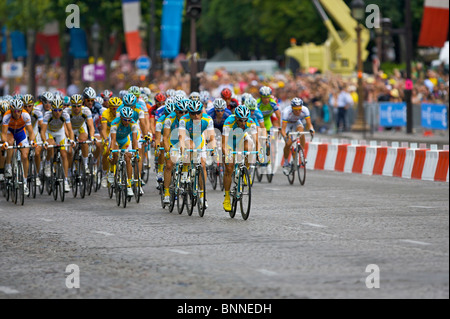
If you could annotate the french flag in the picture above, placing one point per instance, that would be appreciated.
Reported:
(434, 29)
(48, 40)
(131, 12)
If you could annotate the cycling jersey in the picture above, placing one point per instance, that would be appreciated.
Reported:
(219, 125)
(267, 110)
(172, 123)
(160, 112)
(79, 120)
(138, 113)
(195, 129)
(54, 124)
(294, 120)
(36, 116)
(257, 116)
(123, 133)
(231, 126)
(108, 117)
(17, 126)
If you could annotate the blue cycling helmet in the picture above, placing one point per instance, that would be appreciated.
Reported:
(242, 112)
(66, 101)
(195, 106)
(183, 105)
(170, 108)
(126, 113)
(129, 100)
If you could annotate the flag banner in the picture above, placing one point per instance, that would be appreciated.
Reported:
(131, 13)
(48, 40)
(3, 43)
(434, 116)
(392, 114)
(434, 30)
(19, 45)
(78, 44)
(171, 28)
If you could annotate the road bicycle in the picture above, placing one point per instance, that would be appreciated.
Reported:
(120, 178)
(216, 169)
(297, 159)
(57, 173)
(32, 173)
(136, 180)
(267, 168)
(79, 176)
(240, 191)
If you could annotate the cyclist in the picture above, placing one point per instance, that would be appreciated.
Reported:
(219, 113)
(82, 126)
(195, 128)
(159, 139)
(205, 98)
(268, 106)
(130, 100)
(45, 103)
(16, 124)
(293, 121)
(106, 95)
(36, 122)
(170, 137)
(124, 136)
(107, 118)
(4, 107)
(53, 132)
(154, 111)
(227, 95)
(243, 132)
(97, 110)
(194, 96)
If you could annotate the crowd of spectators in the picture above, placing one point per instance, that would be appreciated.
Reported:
(322, 93)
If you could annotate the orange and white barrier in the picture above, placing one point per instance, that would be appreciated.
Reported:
(411, 162)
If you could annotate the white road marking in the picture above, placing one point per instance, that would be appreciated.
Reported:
(45, 219)
(8, 291)
(267, 272)
(314, 225)
(425, 207)
(182, 252)
(273, 189)
(103, 233)
(415, 242)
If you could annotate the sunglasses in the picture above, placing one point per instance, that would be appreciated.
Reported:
(220, 111)
(57, 110)
(76, 105)
(90, 100)
(17, 111)
(181, 112)
(195, 113)
(243, 120)
(126, 120)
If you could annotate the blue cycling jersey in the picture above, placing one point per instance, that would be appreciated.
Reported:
(219, 125)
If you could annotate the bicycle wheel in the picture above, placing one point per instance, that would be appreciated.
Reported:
(201, 193)
(74, 178)
(99, 178)
(301, 167)
(212, 175)
(245, 193)
(251, 173)
(7, 188)
(90, 176)
(61, 182)
(136, 182)
(172, 190)
(118, 186)
(220, 174)
(82, 178)
(55, 181)
(32, 176)
(20, 184)
(292, 161)
(258, 174)
(181, 198)
(50, 180)
(270, 176)
(234, 202)
(146, 167)
(189, 199)
(124, 185)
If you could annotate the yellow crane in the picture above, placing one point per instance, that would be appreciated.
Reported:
(339, 52)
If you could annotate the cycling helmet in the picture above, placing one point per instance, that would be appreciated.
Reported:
(106, 94)
(28, 99)
(129, 100)
(265, 91)
(181, 92)
(245, 96)
(4, 106)
(146, 91)
(179, 97)
(195, 106)
(18, 97)
(57, 104)
(144, 97)
(219, 104)
(76, 99)
(171, 100)
(233, 104)
(134, 90)
(99, 100)
(16, 105)
(194, 96)
(126, 113)
(66, 101)
(296, 102)
(89, 93)
(170, 108)
(47, 97)
(251, 104)
(242, 112)
(170, 92)
(123, 93)
(160, 97)
(183, 105)
(226, 93)
(204, 96)
(115, 102)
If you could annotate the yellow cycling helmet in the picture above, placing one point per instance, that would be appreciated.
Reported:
(115, 102)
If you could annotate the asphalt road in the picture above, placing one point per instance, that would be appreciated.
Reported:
(312, 241)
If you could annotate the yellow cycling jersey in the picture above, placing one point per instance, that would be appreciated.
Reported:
(108, 117)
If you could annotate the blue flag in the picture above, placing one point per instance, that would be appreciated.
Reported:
(78, 44)
(171, 28)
